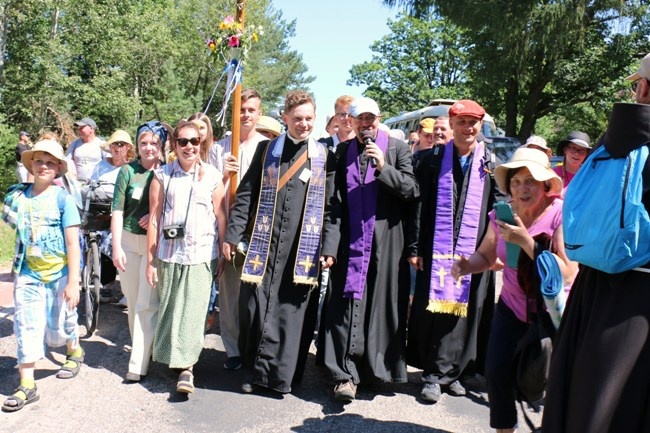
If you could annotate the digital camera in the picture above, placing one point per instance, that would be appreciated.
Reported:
(174, 231)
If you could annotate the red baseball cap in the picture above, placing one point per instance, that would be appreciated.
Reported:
(466, 107)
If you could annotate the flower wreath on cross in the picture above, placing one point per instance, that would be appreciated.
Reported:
(233, 40)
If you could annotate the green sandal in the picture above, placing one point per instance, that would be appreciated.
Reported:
(68, 371)
(14, 403)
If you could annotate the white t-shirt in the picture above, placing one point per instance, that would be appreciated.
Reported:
(223, 147)
(85, 156)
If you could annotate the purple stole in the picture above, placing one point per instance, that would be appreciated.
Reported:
(362, 207)
(307, 265)
(445, 294)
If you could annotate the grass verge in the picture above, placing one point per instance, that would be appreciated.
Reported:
(7, 244)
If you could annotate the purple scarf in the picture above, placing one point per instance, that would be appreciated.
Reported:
(446, 295)
(362, 207)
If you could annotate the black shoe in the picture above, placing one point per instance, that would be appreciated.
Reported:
(456, 389)
(105, 295)
(232, 363)
(431, 392)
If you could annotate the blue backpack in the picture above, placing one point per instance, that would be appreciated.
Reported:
(606, 225)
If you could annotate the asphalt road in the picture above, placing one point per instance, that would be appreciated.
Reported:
(99, 400)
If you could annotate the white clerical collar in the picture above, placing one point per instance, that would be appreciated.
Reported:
(312, 147)
(294, 140)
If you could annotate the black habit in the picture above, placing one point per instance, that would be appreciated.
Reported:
(365, 339)
(599, 380)
(277, 317)
(443, 345)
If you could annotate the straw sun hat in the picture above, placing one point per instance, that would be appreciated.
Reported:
(536, 162)
(48, 146)
(118, 136)
(266, 123)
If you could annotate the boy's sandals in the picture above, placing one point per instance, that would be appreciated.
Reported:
(185, 383)
(14, 402)
(71, 367)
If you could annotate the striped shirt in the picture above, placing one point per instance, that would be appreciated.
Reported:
(199, 245)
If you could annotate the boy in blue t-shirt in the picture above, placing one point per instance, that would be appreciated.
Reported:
(47, 251)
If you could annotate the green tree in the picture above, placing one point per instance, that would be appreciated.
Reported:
(532, 59)
(420, 60)
(271, 68)
(126, 61)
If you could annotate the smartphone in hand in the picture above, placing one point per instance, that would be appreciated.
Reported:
(504, 213)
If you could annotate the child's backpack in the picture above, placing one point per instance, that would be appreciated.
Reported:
(606, 225)
(13, 194)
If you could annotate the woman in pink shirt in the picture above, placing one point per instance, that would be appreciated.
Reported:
(574, 149)
(534, 188)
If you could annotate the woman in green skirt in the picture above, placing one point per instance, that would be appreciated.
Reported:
(186, 228)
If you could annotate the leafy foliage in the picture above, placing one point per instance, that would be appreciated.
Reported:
(123, 62)
(8, 141)
(420, 60)
(532, 59)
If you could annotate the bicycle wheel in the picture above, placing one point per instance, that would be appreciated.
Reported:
(91, 286)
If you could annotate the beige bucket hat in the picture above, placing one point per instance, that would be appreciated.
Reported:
(47, 146)
(536, 162)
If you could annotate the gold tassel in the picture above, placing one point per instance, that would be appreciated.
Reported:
(447, 307)
(255, 279)
(310, 281)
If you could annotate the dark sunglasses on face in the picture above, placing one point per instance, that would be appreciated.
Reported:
(119, 144)
(182, 142)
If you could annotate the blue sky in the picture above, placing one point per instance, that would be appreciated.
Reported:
(332, 36)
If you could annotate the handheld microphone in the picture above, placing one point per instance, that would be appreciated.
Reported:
(366, 136)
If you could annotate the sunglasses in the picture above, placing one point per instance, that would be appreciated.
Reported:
(182, 142)
(578, 150)
(119, 144)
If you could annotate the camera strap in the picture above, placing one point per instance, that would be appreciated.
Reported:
(189, 200)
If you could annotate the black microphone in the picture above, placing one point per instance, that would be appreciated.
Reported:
(366, 136)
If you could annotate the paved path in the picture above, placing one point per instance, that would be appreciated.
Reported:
(98, 400)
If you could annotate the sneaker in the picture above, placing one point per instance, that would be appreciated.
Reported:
(246, 387)
(345, 391)
(456, 389)
(132, 377)
(122, 302)
(431, 392)
(232, 363)
(185, 383)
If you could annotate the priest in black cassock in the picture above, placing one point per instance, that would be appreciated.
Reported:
(450, 320)
(365, 314)
(280, 205)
